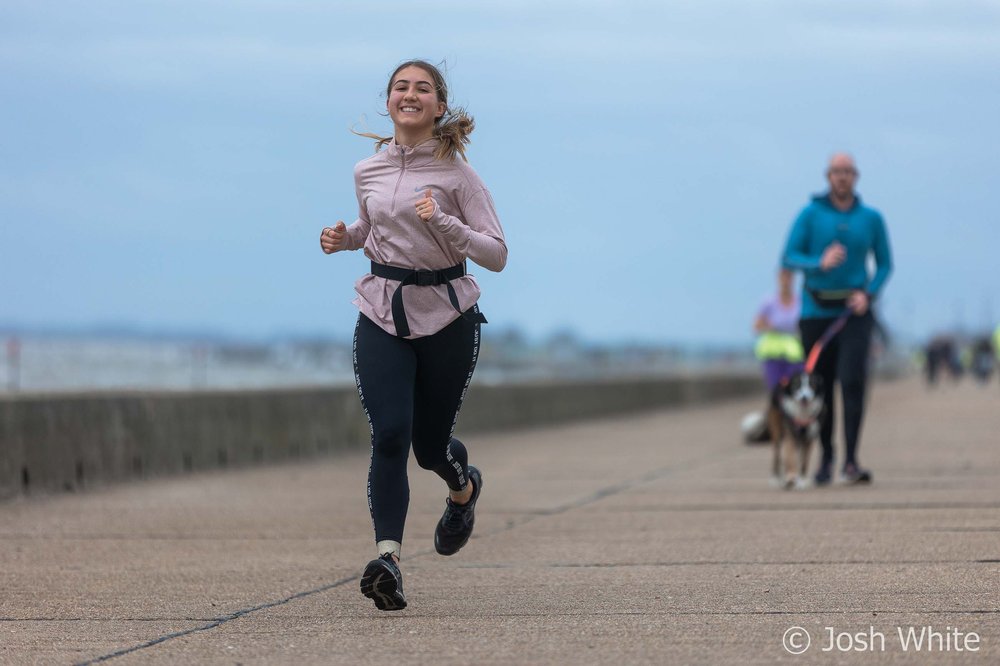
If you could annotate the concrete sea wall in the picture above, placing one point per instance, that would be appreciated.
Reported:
(63, 442)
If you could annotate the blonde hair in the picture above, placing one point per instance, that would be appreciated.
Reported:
(452, 129)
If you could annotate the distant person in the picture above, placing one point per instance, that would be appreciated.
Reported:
(831, 242)
(934, 360)
(981, 363)
(942, 357)
(422, 212)
(778, 346)
(953, 358)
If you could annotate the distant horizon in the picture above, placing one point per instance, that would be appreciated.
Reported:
(112, 330)
(109, 330)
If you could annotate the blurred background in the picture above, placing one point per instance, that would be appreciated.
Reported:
(166, 168)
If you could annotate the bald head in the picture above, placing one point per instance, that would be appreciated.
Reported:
(841, 161)
(842, 175)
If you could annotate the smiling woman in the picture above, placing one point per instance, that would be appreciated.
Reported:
(417, 102)
(422, 213)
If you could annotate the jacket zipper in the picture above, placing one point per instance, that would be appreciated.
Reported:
(402, 169)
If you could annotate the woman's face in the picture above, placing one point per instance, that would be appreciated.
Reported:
(413, 103)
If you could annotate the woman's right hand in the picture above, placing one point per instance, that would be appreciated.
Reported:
(333, 239)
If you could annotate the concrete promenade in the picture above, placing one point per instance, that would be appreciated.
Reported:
(651, 539)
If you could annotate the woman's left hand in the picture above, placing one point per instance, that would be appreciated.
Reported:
(426, 206)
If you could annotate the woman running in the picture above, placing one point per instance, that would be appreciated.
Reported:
(422, 211)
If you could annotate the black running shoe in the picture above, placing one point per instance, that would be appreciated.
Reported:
(383, 583)
(455, 527)
(823, 475)
(853, 475)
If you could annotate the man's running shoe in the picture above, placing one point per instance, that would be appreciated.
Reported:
(455, 527)
(823, 475)
(853, 475)
(383, 583)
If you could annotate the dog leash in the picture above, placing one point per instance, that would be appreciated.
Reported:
(828, 334)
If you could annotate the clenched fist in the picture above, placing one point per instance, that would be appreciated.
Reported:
(425, 206)
(833, 256)
(333, 239)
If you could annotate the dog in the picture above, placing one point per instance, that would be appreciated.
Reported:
(793, 419)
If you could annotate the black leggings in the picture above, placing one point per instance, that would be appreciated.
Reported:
(844, 358)
(411, 391)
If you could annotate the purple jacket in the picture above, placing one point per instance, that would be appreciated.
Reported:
(464, 225)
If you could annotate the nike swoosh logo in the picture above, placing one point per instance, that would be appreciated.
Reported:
(422, 188)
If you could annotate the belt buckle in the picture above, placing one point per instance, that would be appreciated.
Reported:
(425, 278)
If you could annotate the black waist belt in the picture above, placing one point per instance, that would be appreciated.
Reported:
(831, 298)
(422, 278)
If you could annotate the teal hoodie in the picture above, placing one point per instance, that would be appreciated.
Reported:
(860, 230)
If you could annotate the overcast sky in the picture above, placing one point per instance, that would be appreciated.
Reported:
(170, 164)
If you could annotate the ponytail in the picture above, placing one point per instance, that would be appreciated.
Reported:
(453, 130)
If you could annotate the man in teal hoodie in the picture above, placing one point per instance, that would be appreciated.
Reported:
(830, 242)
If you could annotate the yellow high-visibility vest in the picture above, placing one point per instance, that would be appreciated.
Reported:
(775, 346)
